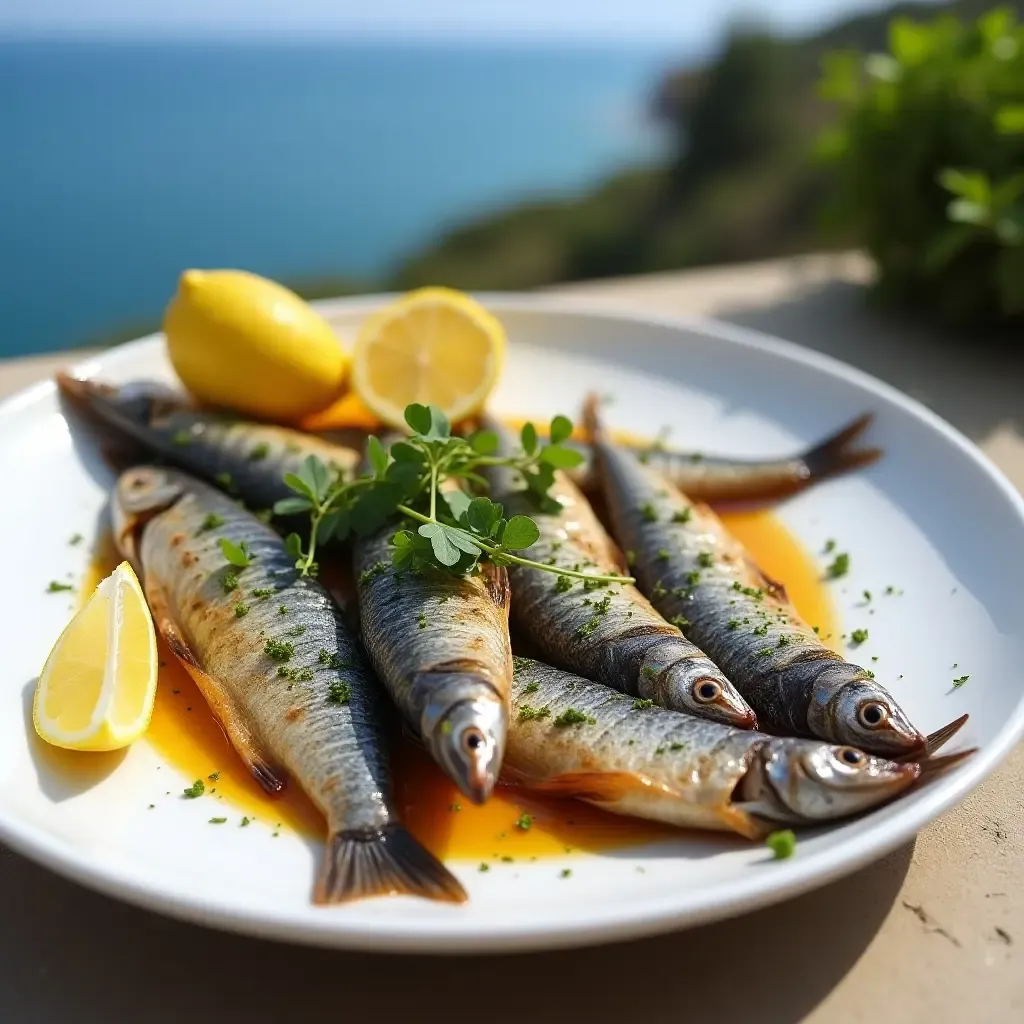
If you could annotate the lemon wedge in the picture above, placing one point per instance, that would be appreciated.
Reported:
(98, 685)
(434, 346)
(241, 341)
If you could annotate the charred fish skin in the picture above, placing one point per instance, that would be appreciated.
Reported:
(718, 480)
(691, 567)
(281, 670)
(440, 644)
(606, 632)
(245, 458)
(578, 738)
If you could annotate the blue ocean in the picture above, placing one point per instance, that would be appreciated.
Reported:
(123, 162)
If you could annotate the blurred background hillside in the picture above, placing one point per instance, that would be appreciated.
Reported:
(533, 143)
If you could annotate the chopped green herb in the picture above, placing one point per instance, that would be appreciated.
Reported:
(296, 675)
(531, 687)
(218, 821)
(733, 624)
(75, 539)
(867, 595)
(641, 704)
(830, 546)
(840, 566)
(56, 587)
(681, 621)
(241, 609)
(237, 554)
(565, 873)
(682, 515)
(245, 821)
(422, 621)
(676, 746)
(957, 683)
(571, 716)
(261, 451)
(282, 609)
(295, 630)
(180, 438)
(377, 569)
(588, 627)
(262, 593)
(524, 822)
(229, 580)
(339, 693)
(692, 578)
(705, 559)
(761, 630)
(631, 557)
(198, 788)
(563, 584)
(765, 652)
(484, 866)
(781, 843)
(278, 650)
(649, 512)
(225, 480)
(455, 808)
(211, 522)
(664, 555)
(658, 590)
(784, 641)
(213, 776)
(530, 714)
(858, 636)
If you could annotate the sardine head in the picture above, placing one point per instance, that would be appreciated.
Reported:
(863, 714)
(466, 736)
(803, 781)
(139, 494)
(127, 407)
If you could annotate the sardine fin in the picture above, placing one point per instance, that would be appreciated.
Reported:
(599, 787)
(496, 581)
(834, 455)
(269, 775)
(358, 864)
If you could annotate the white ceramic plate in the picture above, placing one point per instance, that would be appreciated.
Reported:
(933, 518)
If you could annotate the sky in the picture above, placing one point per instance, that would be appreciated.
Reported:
(613, 20)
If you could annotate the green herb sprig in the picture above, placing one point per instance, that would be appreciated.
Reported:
(439, 526)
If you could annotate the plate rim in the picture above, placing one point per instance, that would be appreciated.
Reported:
(437, 935)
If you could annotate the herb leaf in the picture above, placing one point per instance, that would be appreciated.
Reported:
(520, 533)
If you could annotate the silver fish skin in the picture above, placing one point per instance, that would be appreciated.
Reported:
(440, 644)
(690, 566)
(715, 479)
(245, 458)
(281, 670)
(577, 738)
(609, 633)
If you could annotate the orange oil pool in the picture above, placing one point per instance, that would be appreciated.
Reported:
(185, 733)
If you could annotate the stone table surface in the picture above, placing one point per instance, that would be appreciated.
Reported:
(933, 932)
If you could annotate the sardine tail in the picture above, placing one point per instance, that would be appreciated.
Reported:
(360, 864)
(834, 455)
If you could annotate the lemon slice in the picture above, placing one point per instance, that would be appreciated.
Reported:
(98, 685)
(434, 346)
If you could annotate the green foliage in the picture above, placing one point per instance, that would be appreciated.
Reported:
(929, 154)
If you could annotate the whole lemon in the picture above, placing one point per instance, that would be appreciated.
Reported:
(241, 341)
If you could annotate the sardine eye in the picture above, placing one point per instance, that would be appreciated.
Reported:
(472, 739)
(707, 691)
(872, 715)
(851, 756)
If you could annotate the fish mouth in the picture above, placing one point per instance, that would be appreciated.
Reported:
(802, 782)
(465, 726)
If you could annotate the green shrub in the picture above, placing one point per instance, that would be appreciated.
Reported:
(929, 155)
